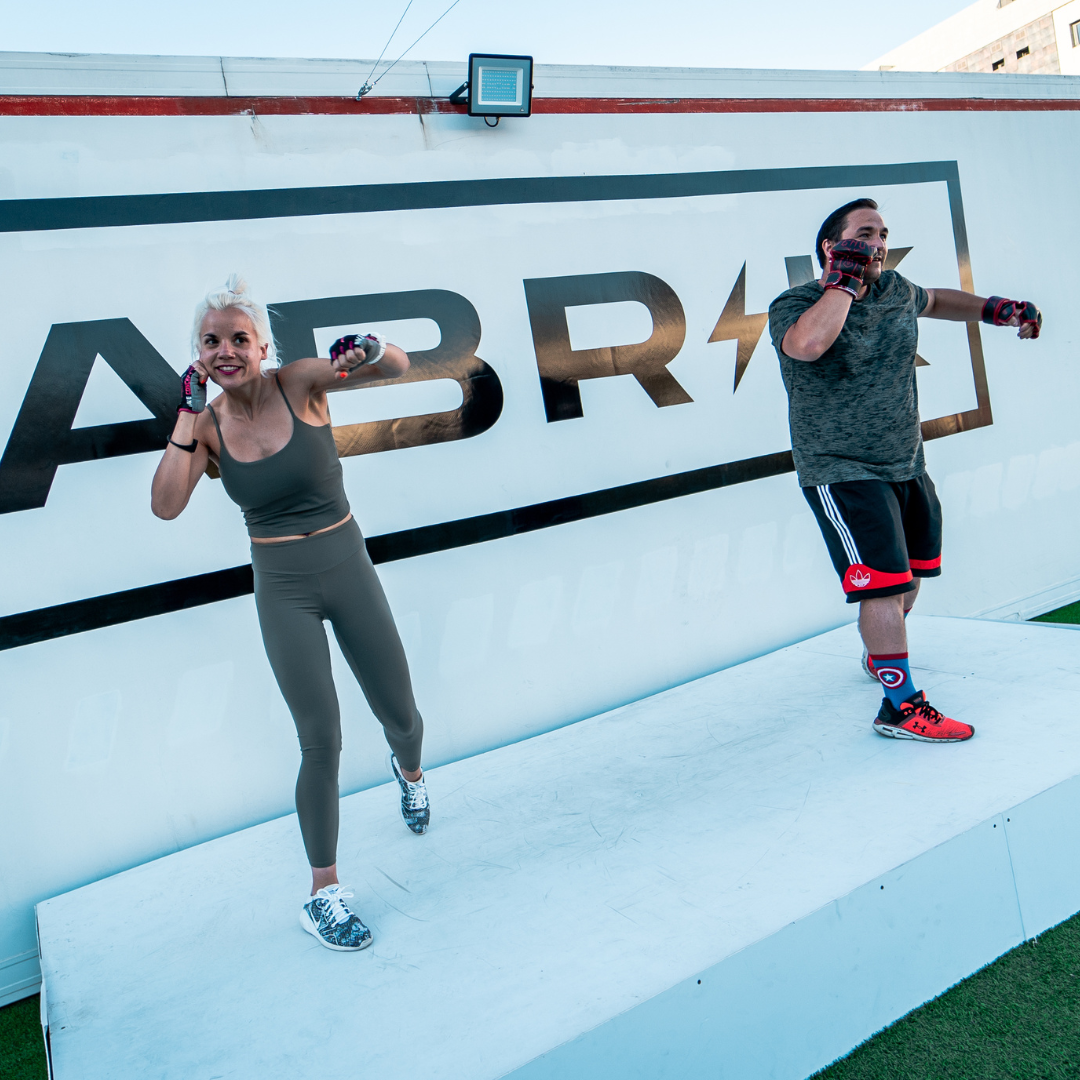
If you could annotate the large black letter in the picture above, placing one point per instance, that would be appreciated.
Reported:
(453, 358)
(561, 367)
(43, 439)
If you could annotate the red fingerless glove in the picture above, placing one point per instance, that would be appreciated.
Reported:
(997, 311)
(848, 261)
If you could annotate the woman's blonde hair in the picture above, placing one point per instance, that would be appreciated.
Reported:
(234, 294)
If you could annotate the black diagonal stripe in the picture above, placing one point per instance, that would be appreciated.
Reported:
(97, 612)
(119, 607)
(101, 211)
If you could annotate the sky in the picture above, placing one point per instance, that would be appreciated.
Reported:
(681, 33)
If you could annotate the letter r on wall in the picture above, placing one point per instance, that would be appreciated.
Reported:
(561, 367)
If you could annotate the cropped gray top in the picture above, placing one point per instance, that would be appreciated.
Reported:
(298, 490)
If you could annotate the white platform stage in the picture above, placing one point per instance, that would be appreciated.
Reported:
(735, 877)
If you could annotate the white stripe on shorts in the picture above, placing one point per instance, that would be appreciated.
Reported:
(832, 512)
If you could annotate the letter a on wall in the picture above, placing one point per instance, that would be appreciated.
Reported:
(43, 438)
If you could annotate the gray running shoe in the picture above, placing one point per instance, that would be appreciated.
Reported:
(327, 917)
(414, 799)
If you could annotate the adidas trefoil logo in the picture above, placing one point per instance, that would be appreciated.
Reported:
(860, 579)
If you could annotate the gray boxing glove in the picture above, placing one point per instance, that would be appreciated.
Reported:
(194, 391)
(374, 347)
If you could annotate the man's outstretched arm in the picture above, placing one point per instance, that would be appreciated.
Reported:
(957, 306)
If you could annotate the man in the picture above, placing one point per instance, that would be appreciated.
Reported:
(847, 353)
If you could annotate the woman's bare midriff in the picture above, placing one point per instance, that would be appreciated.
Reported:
(298, 536)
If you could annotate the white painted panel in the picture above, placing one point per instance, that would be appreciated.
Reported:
(1046, 856)
(107, 399)
(65, 73)
(795, 1001)
(600, 326)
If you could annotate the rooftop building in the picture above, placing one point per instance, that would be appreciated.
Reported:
(1034, 37)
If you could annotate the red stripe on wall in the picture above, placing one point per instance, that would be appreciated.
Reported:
(799, 105)
(124, 105)
(119, 105)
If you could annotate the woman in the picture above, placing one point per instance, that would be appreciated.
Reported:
(269, 434)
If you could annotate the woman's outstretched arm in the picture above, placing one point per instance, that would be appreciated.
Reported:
(348, 369)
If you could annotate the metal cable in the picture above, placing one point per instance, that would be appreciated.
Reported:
(368, 87)
(367, 82)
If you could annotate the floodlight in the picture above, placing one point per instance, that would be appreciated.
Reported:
(498, 85)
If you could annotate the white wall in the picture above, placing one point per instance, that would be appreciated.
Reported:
(1068, 53)
(123, 744)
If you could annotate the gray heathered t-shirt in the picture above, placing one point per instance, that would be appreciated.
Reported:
(854, 412)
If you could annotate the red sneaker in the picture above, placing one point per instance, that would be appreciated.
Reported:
(918, 719)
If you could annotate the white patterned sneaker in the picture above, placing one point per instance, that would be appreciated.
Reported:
(867, 666)
(327, 917)
(414, 799)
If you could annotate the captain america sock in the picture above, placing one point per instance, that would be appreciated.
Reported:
(895, 676)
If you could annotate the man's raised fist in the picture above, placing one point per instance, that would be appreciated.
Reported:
(848, 260)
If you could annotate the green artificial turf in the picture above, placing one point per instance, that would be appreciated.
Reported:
(1016, 1019)
(22, 1049)
(1069, 613)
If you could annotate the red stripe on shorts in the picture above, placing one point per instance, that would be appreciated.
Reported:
(859, 577)
(925, 564)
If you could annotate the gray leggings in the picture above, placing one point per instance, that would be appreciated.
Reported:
(298, 584)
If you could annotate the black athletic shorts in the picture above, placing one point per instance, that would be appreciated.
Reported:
(880, 535)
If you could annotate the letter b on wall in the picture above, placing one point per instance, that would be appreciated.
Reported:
(453, 358)
(561, 367)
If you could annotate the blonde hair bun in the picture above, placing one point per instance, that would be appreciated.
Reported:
(234, 294)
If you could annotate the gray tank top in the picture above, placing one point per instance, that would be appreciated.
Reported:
(297, 490)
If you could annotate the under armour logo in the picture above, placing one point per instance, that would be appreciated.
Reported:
(860, 579)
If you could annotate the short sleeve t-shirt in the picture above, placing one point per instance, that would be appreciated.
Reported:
(854, 412)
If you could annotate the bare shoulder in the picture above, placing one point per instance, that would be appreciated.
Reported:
(205, 428)
(304, 383)
(304, 376)
(302, 372)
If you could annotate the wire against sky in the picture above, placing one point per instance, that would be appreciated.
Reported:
(367, 82)
(369, 85)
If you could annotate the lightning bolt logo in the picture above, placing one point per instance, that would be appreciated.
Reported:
(735, 325)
